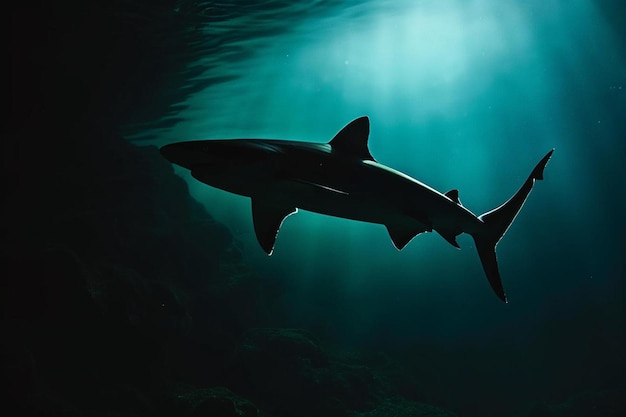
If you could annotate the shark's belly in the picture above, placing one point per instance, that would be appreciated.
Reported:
(368, 206)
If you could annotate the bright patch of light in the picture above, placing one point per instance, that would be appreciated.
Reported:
(403, 61)
(461, 94)
(404, 64)
(419, 58)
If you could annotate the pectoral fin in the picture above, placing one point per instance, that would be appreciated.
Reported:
(267, 219)
(401, 236)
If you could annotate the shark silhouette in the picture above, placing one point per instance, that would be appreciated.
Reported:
(342, 179)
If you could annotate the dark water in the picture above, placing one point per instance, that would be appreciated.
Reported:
(465, 95)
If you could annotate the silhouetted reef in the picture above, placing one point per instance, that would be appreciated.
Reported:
(125, 297)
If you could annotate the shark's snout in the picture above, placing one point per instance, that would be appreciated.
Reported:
(222, 153)
(184, 154)
(169, 151)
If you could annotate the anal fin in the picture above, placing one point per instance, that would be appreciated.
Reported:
(267, 219)
(450, 237)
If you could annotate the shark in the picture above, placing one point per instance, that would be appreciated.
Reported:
(341, 178)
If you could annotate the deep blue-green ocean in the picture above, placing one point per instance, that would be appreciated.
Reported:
(130, 288)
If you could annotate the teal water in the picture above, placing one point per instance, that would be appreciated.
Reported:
(465, 95)
(133, 289)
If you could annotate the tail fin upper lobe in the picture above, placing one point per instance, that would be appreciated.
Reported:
(497, 221)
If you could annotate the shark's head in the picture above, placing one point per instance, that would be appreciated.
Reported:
(218, 153)
(235, 165)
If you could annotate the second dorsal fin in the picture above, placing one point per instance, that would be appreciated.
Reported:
(352, 139)
(454, 196)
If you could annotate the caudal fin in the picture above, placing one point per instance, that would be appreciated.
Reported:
(497, 221)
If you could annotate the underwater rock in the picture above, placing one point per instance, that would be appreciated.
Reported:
(542, 410)
(400, 407)
(283, 370)
(609, 403)
(71, 356)
(47, 328)
(287, 372)
(282, 345)
(214, 402)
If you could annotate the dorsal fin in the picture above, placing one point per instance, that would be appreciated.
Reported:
(454, 196)
(352, 139)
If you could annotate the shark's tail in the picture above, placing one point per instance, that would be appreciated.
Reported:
(496, 223)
